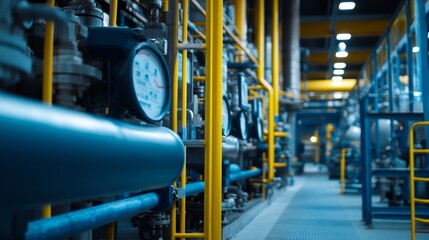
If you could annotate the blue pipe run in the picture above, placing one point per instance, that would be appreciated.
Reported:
(194, 188)
(53, 155)
(234, 168)
(69, 224)
(244, 174)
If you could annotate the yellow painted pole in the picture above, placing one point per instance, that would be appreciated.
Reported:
(260, 42)
(343, 170)
(48, 56)
(217, 37)
(208, 157)
(111, 231)
(275, 56)
(166, 6)
(113, 13)
(184, 110)
(174, 102)
(412, 191)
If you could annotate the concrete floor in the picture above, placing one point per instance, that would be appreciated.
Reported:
(313, 209)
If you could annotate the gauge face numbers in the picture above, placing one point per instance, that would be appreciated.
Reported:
(150, 83)
(226, 117)
(243, 86)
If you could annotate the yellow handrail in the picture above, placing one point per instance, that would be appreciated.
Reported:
(413, 198)
(343, 170)
(260, 43)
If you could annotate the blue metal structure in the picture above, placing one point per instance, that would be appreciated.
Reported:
(382, 84)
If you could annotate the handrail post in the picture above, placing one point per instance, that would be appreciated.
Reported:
(343, 170)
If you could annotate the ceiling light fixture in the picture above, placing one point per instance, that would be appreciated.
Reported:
(416, 49)
(313, 139)
(341, 54)
(343, 36)
(341, 46)
(338, 72)
(337, 78)
(338, 95)
(347, 5)
(340, 65)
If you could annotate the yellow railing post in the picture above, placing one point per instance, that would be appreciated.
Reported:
(208, 130)
(275, 56)
(260, 42)
(48, 55)
(241, 23)
(217, 41)
(113, 13)
(343, 170)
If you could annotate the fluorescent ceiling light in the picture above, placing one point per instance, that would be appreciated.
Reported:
(338, 95)
(347, 5)
(343, 36)
(340, 65)
(338, 72)
(337, 78)
(342, 46)
(342, 54)
(416, 49)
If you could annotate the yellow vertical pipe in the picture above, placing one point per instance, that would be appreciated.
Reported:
(113, 13)
(343, 170)
(216, 231)
(275, 56)
(111, 231)
(174, 102)
(241, 24)
(208, 157)
(412, 193)
(48, 55)
(166, 5)
(184, 108)
(260, 42)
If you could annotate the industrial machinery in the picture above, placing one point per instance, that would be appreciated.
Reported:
(104, 104)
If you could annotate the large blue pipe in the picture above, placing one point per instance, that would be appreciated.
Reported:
(73, 223)
(194, 188)
(53, 155)
(244, 174)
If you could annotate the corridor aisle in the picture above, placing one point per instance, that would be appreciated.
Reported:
(314, 210)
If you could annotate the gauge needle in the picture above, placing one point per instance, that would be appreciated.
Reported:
(156, 84)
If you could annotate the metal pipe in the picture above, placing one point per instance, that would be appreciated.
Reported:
(343, 169)
(113, 13)
(217, 56)
(194, 188)
(275, 55)
(72, 223)
(73, 156)
(260, 33)
(241, 23)
(245, 174)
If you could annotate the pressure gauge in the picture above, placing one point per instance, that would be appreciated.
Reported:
(243, 94)
(240, 125)
(257, 108)
(148, 92)
(257, 129)
(226, 117)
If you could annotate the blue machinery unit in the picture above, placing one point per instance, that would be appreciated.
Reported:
(393, 92)
(126, 122)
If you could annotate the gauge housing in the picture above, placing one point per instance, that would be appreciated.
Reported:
(239, 127)
(243, 96)
(146, 87)
(226, 117)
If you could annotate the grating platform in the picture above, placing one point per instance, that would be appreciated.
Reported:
(315, 211)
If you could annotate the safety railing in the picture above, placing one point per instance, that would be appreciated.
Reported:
(343, 170)
(414, 179)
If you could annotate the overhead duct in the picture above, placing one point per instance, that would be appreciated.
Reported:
(291, 47)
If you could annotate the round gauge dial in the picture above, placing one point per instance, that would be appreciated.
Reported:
(149, 91)
(259, 129)
(240, 125)
(226, 117)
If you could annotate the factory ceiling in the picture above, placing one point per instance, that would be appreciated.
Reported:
(321, 21)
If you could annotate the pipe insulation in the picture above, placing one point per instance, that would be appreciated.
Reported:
(244, 174)
(53, 155)
(69, 224)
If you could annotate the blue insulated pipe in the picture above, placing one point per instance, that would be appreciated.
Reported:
(73, 223)
(54, 155)
(244, 174)
(194, 188)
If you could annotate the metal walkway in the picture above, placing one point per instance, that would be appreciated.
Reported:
(314, 210)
